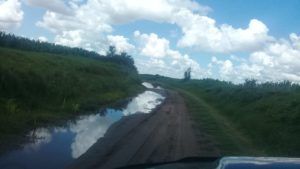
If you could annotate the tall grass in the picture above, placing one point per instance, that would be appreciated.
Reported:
(268, 114)
(40, 88)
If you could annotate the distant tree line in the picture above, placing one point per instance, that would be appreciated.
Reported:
(22, 43)
(17, 42)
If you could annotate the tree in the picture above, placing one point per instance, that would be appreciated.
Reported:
(187, 74)
(250, 83)
(111, 51)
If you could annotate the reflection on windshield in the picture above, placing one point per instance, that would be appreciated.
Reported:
(258, 163)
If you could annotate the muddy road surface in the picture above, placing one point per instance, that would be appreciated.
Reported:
(166, 134)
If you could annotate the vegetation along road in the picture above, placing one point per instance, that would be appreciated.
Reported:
(260, 119)
(43, 83)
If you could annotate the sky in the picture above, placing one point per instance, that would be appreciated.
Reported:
(230, 40)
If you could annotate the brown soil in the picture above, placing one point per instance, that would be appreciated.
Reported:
(166, 134)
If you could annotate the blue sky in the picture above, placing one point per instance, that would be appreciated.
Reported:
(228, 40)
(282, 17)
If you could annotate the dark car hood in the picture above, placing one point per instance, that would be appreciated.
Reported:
(241, 162)
(259, 163)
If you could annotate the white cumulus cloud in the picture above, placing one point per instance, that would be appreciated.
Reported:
(11, 14)
(159, 58)
(277, 61)
(42, 39)
(199, 31)
(202, 33)
(92, 20)
(120, 42)
(153, 45)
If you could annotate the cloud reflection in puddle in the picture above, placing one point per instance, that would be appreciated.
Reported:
(59, 146)
(90, 128)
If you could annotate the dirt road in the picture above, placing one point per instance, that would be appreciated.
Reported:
(164, 135)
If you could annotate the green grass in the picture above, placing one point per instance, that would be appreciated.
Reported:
(247, 119)
(40, 88)
(229, 139)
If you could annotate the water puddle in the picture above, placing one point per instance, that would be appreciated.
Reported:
(150, 86)
(56, 147)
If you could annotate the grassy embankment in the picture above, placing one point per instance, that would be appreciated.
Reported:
(246, 119)
(41, 88)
